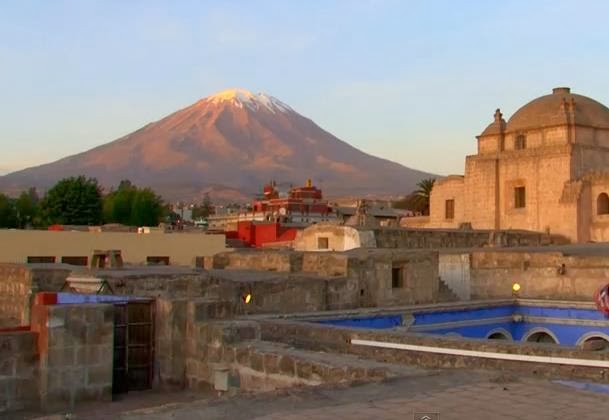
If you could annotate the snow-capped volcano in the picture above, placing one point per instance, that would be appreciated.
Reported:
(232, 141)
(254, 101)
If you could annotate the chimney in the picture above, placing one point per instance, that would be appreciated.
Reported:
(561, 90)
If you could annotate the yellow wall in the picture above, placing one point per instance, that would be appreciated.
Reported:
(181, 248)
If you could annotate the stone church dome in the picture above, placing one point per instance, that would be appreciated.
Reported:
(553, 109)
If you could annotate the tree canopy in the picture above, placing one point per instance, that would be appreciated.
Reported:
(8, 212)
(73, 201)
(130, 205)
(418, 200)
(203, 210)
(27, 208)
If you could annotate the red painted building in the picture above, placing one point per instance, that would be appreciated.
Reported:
(301, 205)
(257, 234)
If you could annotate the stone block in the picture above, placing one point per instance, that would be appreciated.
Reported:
(88, 394)
(27, 388)
(58, 337)
(56, 397)
(81, 355)
(228, 355)
(93, 355)
(256, 361)
(214, 353)
(287, 365)
(271, 363)
(72, 378)
(99, 375)
(319, 371)
(8, 346)
(7, 367)
(355, 373)
(58, 357)
(242, 355)
(336, 375)
(304, 369)
(247, 333)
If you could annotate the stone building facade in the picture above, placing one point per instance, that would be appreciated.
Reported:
(543, 170)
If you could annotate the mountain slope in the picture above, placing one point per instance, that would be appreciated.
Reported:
(234, 140)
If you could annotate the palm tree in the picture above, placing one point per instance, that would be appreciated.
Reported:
(423, 193)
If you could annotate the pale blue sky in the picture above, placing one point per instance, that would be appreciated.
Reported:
(412, 81)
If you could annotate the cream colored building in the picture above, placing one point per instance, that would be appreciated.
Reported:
(546, 169)
(22, 246)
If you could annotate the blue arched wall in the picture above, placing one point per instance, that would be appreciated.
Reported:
(559, 320)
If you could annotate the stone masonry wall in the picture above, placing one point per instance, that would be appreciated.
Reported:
(263, 260)
(446, 238)
(15, 295)
(18, 371)
(76, 353)
(540, 275)
(18, 284)
(338, 340)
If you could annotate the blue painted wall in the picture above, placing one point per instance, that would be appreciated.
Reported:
(565, 333)
(377, 322)
(76, 298)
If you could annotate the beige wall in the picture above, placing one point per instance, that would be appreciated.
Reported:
(450, 188)
(598, 224)
(182, 248)
(340, 238)
(543, 173)
(480, 192)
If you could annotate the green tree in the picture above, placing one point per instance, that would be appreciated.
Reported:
(8, 212)
(73, 201)
(118, 204)
(417, 200)
(147, 208)
(204, 210)
(423, 193)
(27, 207)
(130, 205)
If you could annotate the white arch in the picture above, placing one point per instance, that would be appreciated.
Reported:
(591, 334)
(503, 331)
(540, 330)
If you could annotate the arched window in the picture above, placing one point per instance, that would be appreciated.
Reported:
(602, 204)
(499, 334)
(521, 142)
(595, 343)
(541, 337)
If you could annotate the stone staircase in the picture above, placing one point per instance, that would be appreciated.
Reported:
(445, 293)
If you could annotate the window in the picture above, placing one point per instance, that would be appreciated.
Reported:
(541, 337)
(449, 209)
(75, 260)
(519, 197)
(40, 260)
(521, 142)
(396, 278)
(323, 243)
(157, 260)
(602, 204)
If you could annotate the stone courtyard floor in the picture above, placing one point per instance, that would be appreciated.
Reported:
(445, 395)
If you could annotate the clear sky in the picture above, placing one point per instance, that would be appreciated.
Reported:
(412, 81)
